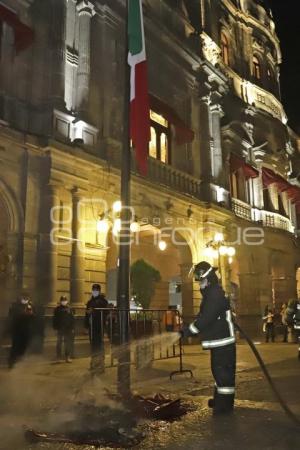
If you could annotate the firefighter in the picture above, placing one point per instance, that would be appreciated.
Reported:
(64, 324)
(214, 323)
(95, 321)
(21, 320)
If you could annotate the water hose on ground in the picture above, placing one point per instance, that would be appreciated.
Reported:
(277, 394)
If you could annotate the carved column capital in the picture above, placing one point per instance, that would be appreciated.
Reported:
(85, 7)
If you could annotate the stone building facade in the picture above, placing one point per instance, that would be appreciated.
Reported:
(222, 158)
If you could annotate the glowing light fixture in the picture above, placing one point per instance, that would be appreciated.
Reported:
(162, 245)
(117, 206)
(102, 226)
(117, 226)
(219, 237)
(223, 250)
(135, 227)
(231, 251)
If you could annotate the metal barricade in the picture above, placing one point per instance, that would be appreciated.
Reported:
(150, 334)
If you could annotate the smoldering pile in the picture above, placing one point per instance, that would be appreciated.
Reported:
(110, 426)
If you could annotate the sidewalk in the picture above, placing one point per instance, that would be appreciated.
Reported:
(39, 393)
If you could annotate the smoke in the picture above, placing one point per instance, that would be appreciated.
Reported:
(66, 399)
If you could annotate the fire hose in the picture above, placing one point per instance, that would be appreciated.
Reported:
(274, 389)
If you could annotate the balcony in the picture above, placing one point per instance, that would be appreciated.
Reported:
(165, 175)
(161, 174)
(241, 209)
(275, 220)
(254, 95)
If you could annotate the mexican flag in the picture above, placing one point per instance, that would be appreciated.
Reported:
(139, 99)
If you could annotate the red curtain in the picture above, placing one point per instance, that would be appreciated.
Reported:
(23, 34)
(269, 177)
(184, 134)
(237, 163)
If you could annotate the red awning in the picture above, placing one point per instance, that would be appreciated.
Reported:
(184, 134)
(270, 177)
(236, 163)
(24, 35)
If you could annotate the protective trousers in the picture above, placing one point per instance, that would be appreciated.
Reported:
(223, 362)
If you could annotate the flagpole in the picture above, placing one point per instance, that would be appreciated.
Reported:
(123, 287)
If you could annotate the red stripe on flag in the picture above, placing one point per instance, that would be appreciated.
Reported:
(140, 117)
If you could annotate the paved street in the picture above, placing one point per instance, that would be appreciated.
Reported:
(42, 394)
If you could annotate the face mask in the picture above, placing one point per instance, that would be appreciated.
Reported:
(64, 302)
(203, 283)
(95, 293)
(24, 301)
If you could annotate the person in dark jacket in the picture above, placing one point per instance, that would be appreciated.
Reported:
(64, 323)
(21, 319)
(95, 321)
(214, 323)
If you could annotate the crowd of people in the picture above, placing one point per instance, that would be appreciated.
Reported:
(286, 321)
(26, 326)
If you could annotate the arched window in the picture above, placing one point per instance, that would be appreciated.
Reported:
(256, 69)
(225, 48)
(159, 145)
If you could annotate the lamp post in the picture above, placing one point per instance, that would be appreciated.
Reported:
(218, 247)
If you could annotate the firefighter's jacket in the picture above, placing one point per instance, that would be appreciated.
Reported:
(214, 321)
(296, 316)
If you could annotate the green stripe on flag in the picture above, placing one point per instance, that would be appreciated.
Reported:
(134, 27)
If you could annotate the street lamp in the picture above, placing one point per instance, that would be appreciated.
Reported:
(218, 247)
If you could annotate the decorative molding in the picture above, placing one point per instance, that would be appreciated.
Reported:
(72, 56)
(86, 7)
(211, 50)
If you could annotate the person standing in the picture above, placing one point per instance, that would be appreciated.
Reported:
(64, 324)
(214, 323)
(269, 321)
(283, 314)
(95, 321)
(21, 319)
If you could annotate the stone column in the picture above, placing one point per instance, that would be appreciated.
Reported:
(216, 113)
(85, 10)
(78, 252)
(57, 49)
(49, 247)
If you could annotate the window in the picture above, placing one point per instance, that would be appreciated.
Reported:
(239, 186)
(159, 146)
(225, 49)
(256, 68)
(267, 200)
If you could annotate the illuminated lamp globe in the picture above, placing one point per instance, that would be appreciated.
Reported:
(219, 237)
(117, 206)
(231, 251)
(162, 245)
(209, 252)
(102, 226)
(117, 226)
(135, 227)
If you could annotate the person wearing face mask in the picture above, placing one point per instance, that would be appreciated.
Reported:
(21, 319)
(214, 324)
(63, 323)
(95, 321)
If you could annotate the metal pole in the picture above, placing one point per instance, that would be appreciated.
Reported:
(124, 241)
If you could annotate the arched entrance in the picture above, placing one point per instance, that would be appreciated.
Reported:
(4, 258)
(9, 238)
(173, 264)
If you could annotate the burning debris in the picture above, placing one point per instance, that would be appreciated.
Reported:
(112, 427)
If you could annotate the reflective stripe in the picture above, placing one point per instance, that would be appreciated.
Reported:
(193, 329)
(230, 324)
(218, 342)
(297, 327)
(226, 390)
(206, 273)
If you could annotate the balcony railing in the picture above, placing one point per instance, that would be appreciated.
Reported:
(163, 174)
(166, 175)
(241, 209)
(275, 220)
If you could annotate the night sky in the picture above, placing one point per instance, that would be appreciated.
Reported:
(287, 19)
